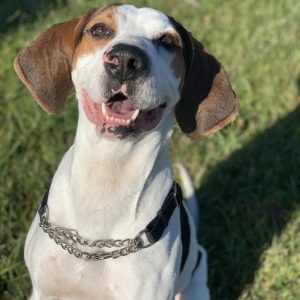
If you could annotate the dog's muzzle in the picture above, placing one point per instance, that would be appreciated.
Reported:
(118, 114)
(126, 62)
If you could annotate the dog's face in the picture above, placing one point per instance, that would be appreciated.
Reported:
(131, 68)
(127, 68)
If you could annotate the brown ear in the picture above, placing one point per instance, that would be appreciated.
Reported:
(44, 66)
(207, 101)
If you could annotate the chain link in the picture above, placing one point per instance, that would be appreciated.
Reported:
(63, 236)
(69, 239)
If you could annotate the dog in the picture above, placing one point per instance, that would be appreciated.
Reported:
(113, 224)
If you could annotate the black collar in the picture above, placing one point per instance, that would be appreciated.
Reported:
(154, 230)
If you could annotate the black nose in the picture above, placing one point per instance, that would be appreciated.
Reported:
(126, 62)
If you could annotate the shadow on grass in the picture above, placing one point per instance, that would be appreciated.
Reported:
(245, 201)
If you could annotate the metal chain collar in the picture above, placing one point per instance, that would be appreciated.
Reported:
(66, 237)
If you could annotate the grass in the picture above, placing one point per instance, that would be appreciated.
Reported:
(247, 176)
(15, 12)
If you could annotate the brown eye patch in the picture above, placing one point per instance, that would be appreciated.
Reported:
(97, 31)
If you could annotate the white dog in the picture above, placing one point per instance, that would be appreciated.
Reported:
(113, 225)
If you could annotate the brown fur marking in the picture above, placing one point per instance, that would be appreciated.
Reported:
(179, 68)
(178, 64)
(89, 45)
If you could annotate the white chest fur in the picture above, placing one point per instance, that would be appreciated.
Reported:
(108, 189)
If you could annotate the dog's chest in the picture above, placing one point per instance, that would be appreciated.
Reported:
(66, 277)
(57, 273)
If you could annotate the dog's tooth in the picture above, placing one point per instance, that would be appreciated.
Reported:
(103, 107)
(135, 114)
(128, 121)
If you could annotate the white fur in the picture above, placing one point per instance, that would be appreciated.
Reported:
(112, 189)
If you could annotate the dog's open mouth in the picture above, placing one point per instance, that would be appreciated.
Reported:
(117, 116)
(118, 110)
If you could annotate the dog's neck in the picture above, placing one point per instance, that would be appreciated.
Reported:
(112, 183)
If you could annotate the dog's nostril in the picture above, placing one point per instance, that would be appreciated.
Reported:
(113, 60)
(133, 64)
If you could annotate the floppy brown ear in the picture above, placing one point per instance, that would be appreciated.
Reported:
(207, 101)
(44, 66)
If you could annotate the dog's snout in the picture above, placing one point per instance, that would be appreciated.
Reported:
(126, 62)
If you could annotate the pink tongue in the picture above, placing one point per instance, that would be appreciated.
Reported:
(121, 107)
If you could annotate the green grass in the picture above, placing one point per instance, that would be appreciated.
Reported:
(247, 176)
(15, 12)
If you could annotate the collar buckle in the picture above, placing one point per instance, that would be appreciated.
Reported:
(141, 239)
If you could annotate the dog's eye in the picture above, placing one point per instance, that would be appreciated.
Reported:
(168, 41)
(100, 31)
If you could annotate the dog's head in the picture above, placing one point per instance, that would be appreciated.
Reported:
(131, 69)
